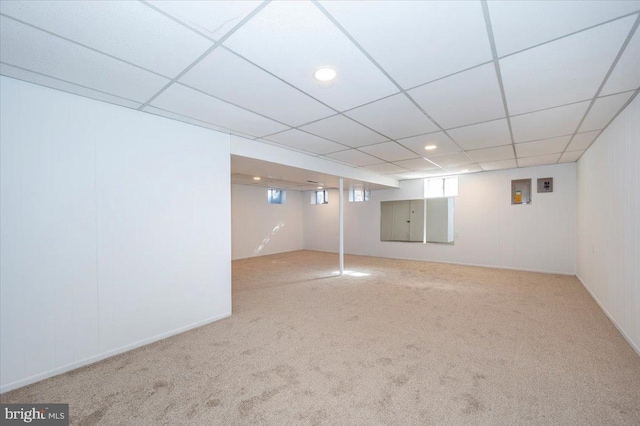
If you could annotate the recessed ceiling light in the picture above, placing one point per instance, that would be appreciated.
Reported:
(430, 147)
(256, 178)
(325, 74)
(320, 187)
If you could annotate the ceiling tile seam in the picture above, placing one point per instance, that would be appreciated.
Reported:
(551, 107)
(68, 82)
(447, 76)
(191, 118)
(288, 147)
(380, 68)
(233, 104)
(626, 42)
(496, 63)
(552, 137)
(246, 19)
(570, 34)
(85, 46)
(222, 46)
(565, 105)
(347, 147)
(177, 21)
(609, 123)
(228, 49)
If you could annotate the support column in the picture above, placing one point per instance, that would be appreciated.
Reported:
(341, 197)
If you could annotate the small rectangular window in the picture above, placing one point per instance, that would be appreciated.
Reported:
(320, 197)
(441, 187)
(276, 196)
(359, 195)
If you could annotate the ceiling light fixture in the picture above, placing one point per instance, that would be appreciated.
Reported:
(464, 171)
(256, 178)
(325, 74)
(320, 187)
(430, 147)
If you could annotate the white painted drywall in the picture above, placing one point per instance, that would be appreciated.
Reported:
(608, 258)
(489, 230)
(266, 152)
(115, 229)
(260, 228)
(440, 220)
(321, 223)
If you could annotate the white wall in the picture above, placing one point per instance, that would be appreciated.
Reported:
(115, 230)
(488, 229)
(609, 222)
(259, 228)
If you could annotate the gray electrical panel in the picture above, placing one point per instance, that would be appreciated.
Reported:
(545, 185)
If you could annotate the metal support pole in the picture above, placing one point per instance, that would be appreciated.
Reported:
(341, 197)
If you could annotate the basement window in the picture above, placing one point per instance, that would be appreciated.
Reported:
(320, 197)
(359, 195)
(441, 187)
(276, 196)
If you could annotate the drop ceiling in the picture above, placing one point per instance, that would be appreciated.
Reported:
(495, 84)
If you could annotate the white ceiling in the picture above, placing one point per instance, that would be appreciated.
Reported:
(495, 84)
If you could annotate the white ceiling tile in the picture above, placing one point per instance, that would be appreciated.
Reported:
(603, 110)
(485, 155)
(233, 79)
(484, 135)
(565, 71)
(582, 141)
(518, 25)
(539, 160)
(213, 18)
(412, 40)
(37, 51)
(185, 101)
(436, 172)
(355, 157)
(466, 168)
(469, 97)
(127, 30)
(542, 147)
(412, 175)
(185, 119)
(305, 141)
(444, 144)
(499, 165)
(395, 116)
(385, 168)
(450, 160)
(389, 151)
(344, 130)
(570, 156)
(416, 164)
(626, 74)
(46, 81)
(549, 123)
(284, 38)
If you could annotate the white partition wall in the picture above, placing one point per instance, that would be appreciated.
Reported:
(115, 229)
(260, 228)
(488, 230)
(609, 221)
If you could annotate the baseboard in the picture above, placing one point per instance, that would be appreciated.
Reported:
(611, 318)
(479, 265)
(266, 254)
(65, 368)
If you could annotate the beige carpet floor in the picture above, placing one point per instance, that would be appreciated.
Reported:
(408, 343)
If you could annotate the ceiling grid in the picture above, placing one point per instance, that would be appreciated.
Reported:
(410, 74)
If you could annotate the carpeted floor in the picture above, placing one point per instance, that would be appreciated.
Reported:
(408, 343)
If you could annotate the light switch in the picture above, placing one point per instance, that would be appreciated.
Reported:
(545, 185)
